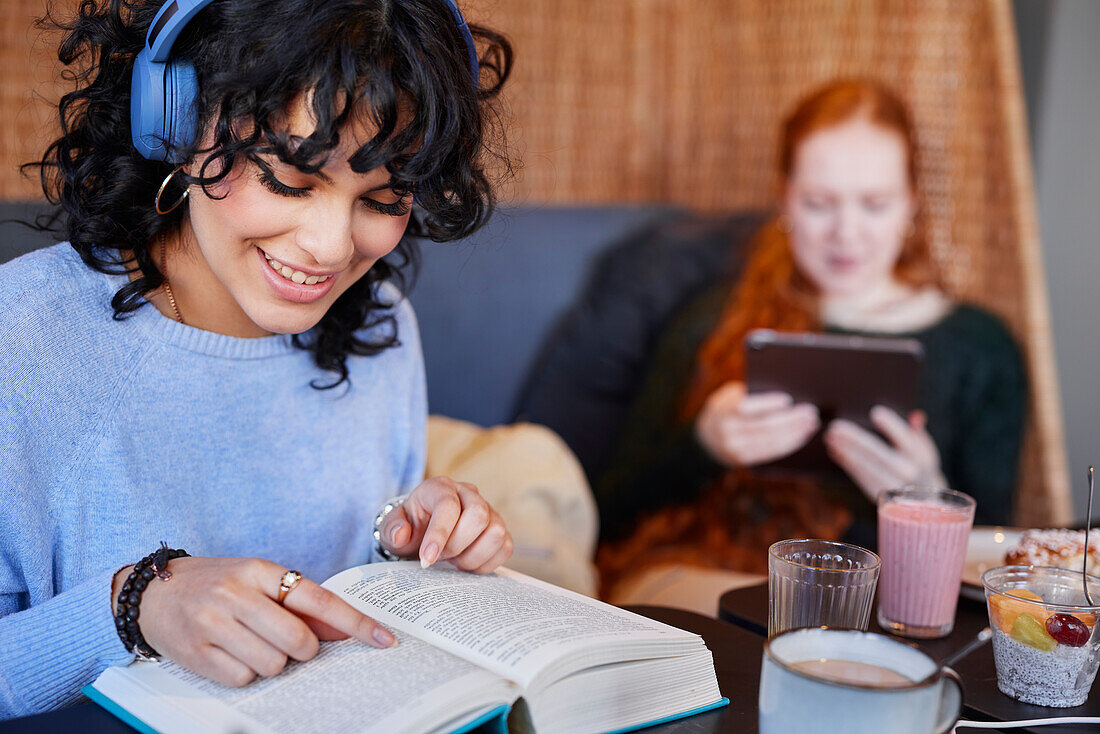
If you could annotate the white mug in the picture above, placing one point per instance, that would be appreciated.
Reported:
(795, 700)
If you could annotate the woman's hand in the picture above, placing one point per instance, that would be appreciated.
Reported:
(912, 457)
(745, 430)
(219, 617)
(447, 520)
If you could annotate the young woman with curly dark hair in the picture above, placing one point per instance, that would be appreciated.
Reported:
(221, 356)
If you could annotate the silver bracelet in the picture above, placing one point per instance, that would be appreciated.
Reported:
(391, 504)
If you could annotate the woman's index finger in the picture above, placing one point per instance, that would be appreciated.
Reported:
(307, 598)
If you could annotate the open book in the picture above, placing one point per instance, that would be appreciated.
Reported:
(471, 647)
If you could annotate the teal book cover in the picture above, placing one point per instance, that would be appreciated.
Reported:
(494, 722)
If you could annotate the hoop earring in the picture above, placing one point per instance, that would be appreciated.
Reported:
(783, 224)
(160, 193)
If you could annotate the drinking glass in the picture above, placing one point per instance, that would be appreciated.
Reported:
(922, 534)
(813, 583)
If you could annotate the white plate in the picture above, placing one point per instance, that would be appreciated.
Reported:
(985, 550)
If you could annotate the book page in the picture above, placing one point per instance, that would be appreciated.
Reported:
(348, 687)
(507, 622)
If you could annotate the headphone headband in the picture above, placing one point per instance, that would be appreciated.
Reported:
(471, 49)
(163, 92)
(167, 24)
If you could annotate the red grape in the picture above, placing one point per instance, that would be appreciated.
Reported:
(1067, 629)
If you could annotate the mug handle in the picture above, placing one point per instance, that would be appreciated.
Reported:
(950, 703)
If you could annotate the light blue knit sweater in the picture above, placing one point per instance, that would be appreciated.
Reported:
(117, 434)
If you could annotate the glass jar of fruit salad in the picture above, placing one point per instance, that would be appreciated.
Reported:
(1045, 642)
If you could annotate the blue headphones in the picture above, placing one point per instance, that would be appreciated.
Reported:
(163, 92)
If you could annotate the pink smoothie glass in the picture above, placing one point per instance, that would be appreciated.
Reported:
(922, 534)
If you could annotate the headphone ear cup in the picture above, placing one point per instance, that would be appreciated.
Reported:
(163, 115)
(181, 108)
(147, 128)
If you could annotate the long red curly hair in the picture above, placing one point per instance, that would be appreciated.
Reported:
(772, 292)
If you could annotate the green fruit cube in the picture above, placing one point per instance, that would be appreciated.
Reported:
(1028, 630)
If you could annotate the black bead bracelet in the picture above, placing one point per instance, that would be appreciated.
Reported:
(154, 565)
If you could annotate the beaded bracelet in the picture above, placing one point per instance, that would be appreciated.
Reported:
(129, 599)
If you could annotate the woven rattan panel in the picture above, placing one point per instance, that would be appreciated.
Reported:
(28, 84)
(679, 101)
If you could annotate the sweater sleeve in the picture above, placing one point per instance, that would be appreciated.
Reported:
(985, 459)
(675, 473)
(50, 650)
(416, 420)
(416, 462)
(657, 461)
(51, 643)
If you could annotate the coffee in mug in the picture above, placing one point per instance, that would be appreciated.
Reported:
(820, 680)
(851, 671)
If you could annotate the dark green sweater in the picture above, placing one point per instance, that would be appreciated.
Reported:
(973, 389)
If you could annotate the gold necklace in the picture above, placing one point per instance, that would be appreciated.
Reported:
(164, 270)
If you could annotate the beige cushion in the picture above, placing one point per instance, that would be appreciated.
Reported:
(529, 475)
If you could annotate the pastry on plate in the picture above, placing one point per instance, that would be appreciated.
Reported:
(1056, 547)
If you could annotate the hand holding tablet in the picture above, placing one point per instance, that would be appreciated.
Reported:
(904, 453)
(864, 392)
(738, 429)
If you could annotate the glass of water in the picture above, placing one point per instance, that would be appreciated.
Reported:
(814, 583)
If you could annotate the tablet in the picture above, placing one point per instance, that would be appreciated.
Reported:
(844, 376)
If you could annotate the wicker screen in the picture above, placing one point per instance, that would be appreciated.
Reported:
(679, 101)
(30, 86)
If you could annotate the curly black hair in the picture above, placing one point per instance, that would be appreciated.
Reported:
(405, 61)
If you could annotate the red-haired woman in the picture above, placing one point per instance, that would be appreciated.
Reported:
(846, 253)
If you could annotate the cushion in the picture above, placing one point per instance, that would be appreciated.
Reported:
(592, 364)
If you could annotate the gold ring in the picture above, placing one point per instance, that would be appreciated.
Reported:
(289, 580)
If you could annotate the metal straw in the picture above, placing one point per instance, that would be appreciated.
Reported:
(1088, 526)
